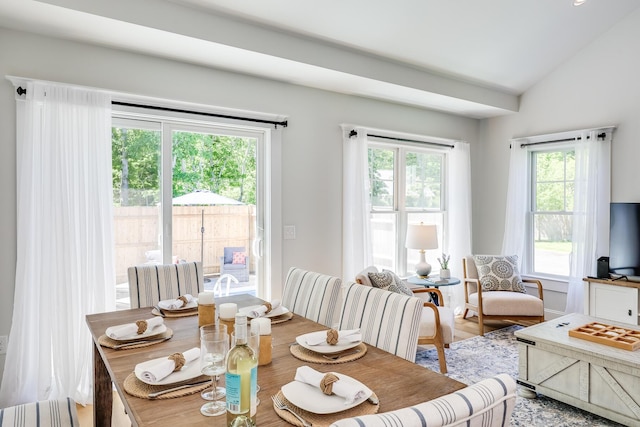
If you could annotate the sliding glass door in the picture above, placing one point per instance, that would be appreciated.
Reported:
(188, 191)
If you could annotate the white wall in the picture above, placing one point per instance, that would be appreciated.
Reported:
(599, 86)
(311, 145)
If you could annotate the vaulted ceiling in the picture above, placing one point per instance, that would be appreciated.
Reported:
(468, 57)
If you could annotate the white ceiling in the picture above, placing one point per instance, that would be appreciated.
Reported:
(468, 57)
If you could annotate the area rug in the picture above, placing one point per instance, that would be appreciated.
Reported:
(477, 358)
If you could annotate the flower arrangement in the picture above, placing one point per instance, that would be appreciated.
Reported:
(444, 261)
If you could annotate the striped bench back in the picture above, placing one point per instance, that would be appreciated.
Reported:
(387, 320)
(46, 413)
(488, 403)
(312, 295)
(150, 284)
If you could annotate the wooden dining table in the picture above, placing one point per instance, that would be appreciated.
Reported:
(396, 382)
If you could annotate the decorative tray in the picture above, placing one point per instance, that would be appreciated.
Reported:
(614, 336)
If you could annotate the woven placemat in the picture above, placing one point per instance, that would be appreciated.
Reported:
(325, 420)
(137, 388)
(282, 318)
(184, 313)
(299, 352)
(105, 341)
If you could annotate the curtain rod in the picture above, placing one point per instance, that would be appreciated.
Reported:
(599, 136)
(355, 133)
(21, 91)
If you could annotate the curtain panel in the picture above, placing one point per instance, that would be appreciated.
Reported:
(64, 267)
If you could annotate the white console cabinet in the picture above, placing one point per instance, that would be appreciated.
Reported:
(617, 300)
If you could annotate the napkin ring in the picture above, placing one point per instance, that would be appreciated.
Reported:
(332, 337)
(326, 384)
(184, 300)
(142, 326)
(269, 307)
(178, 359)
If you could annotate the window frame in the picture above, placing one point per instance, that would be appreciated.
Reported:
(399, 209)
(528, 265)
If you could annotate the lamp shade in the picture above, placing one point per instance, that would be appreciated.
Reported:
(422, 236)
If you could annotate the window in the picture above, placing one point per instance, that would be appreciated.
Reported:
(406, 186)
(552, 192)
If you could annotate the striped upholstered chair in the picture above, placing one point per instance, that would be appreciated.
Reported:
(387, 320)
(488, 403)
(46, 413)
(437, 324)
(150, 284)
(312, 295)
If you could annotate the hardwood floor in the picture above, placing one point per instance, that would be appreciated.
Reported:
(465, 328)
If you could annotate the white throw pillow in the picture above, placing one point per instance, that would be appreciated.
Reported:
(499, 273)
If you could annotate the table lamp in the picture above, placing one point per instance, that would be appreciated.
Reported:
(423, 237)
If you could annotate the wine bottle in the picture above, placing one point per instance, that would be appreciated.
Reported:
(241, 379)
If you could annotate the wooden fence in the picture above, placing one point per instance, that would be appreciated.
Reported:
(137, 230)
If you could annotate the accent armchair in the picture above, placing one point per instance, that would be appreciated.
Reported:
(235, 262)
(437, 323)
(491, 290)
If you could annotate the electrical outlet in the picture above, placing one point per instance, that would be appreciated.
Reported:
(4, 341)
(289, 232)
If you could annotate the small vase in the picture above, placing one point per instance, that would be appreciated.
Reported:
(445, 273)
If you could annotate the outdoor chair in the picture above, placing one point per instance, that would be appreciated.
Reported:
(235, 262)
(150, 284)
(437, 322)
(387, 320)
(495, 290)
(312, 295)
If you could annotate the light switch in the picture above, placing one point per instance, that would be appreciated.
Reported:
(289, 232)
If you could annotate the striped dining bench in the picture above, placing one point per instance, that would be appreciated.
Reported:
(46, 413)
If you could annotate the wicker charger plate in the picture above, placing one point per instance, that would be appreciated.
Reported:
(178, 313)
(325, 420)
(137, 388)
(105, 341)
(282, 318)
(299, 352)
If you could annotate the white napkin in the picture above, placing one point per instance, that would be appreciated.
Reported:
(317, 338)
(164, 367)
(262, 310)
(174, 304)
(349, 390)
(131, 329)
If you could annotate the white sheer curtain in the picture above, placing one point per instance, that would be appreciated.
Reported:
(514, 238)
(591, 208)
(356, 222)
(64, 267)
(459, 217)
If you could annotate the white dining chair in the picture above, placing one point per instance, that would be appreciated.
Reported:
(312, 295)
(150, 284)
(488, 403)
(387, 320)
(46, 413)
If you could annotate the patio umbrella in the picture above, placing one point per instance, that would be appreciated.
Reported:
(203, 198)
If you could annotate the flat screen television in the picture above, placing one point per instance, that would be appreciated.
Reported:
(624, 240)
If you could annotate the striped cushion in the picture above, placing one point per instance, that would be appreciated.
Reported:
(488, 403)
(150, 284)
(312, 295)
(387, 320)
(47, 413)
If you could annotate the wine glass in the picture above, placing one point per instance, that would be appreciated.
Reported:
(219, 392)
(253, 341)
(213, 350)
